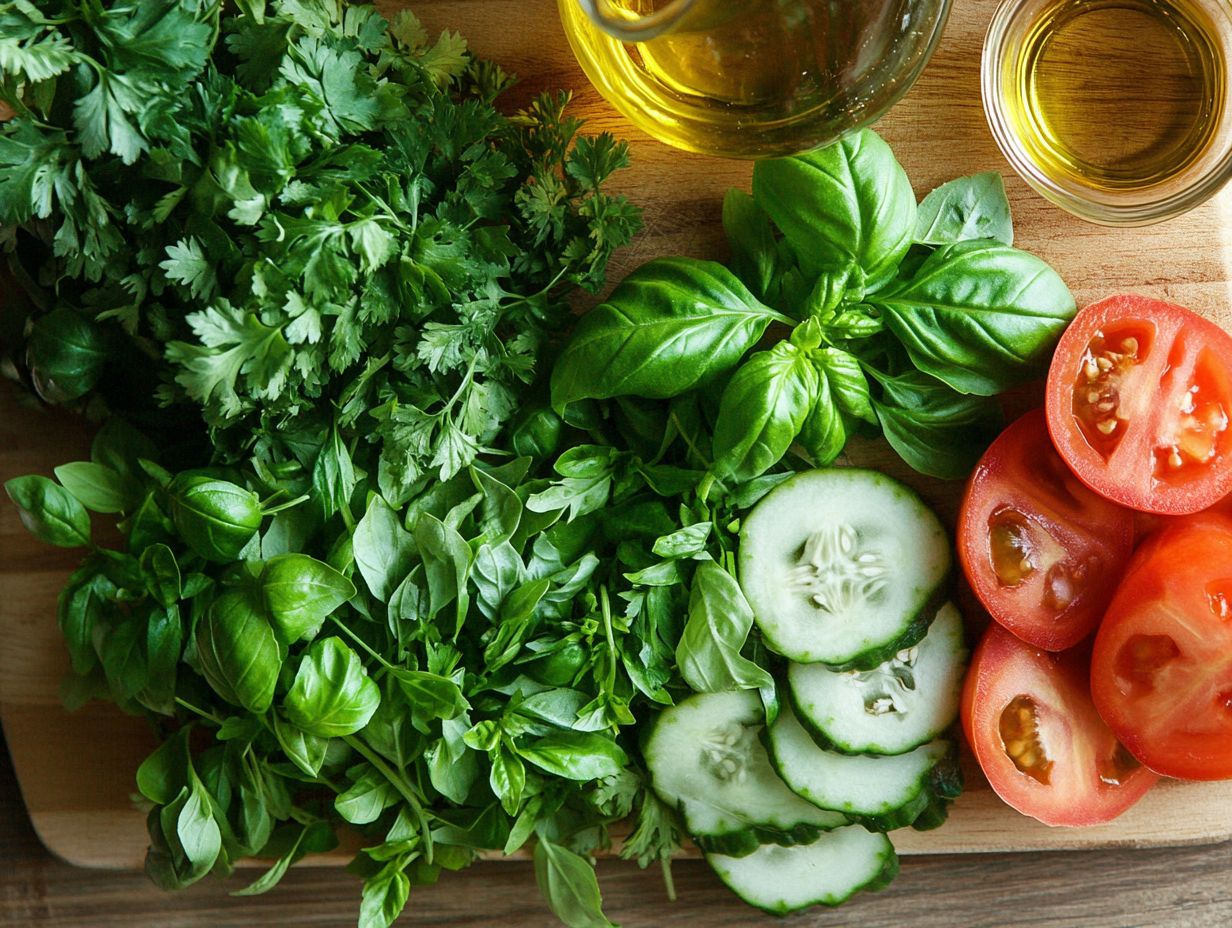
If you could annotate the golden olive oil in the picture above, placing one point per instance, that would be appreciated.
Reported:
(758, 77)
(1116, 95)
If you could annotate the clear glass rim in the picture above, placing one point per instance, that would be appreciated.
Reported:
(1070, 198)
(643, 28)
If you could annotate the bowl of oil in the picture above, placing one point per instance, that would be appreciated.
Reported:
(1116, 110)
(753, 78)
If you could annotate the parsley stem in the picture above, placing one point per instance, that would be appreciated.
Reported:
(605, 607)
(363, 644)
(669, 884)
(201, 712)
(405, 789)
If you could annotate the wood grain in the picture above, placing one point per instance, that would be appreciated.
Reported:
(76, 770)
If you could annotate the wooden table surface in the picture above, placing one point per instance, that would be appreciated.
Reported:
(1162, 888)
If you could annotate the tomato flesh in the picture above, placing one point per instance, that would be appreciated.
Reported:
(1139, 397)
(1161, 669)
(1028, 716)
(1041, 551)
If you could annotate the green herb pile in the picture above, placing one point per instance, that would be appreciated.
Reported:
(377, 567)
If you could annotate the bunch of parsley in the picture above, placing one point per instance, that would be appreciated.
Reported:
(315, 223)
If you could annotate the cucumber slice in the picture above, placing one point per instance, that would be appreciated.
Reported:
(880, 792)
(705, 757)
(843, 566)
(829, 871)
(894, 708)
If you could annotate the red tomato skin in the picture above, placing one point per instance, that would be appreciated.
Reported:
(1185, 556)
(1002, 667)
(1010, 476)
(1132, 486)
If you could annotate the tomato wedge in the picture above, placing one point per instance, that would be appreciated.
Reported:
(1028, 717)
(1161, 671)
(1139, 398)
(1041, 551)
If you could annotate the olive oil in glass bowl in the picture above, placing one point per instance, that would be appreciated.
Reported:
(752, 78)
(1117, 110)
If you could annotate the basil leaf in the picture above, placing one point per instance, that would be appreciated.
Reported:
(96, 487)
(568, 883)
(162, 574)
(452, 767)
(497, 570)
(163, 643)
(49, 512)
(79, 609)
(366, 798)
(671, 326)
(750, 238)
(332, 695)
(318, 833)
(576, 755)
(848, 386)
(762, 411)
(966, 208)
(447, 562)
(66, 353)
(824, 432)
(384, 896)
(936, 430)
(980, 316)
(238, 653)
(507, 778)
(161, 775)
(217, 518)
(118, 446)
(683, 542)
(333, 475)
(719, 622)
(384, 550)
(848, 205)
(430, 696)
(305, 751)
(300, 593)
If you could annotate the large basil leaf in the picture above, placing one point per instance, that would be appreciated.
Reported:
(936, 430)
(848, 205)
(672, 325)
(719, 621)
(966, 208)
(979, 315)
(237, 651)
(49, 512)
(762, 411)
(332, 694)
(300, 593)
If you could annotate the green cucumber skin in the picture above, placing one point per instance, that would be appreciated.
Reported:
(930, 807)
(883, 878)
(746, 841)
(912, 635)
(935, 790)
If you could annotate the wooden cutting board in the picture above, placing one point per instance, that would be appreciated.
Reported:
(76, 770)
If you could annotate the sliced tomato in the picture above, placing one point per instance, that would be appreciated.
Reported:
(1041, 551)
(1161, 670)
(1028, 717)
(1139, 398)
